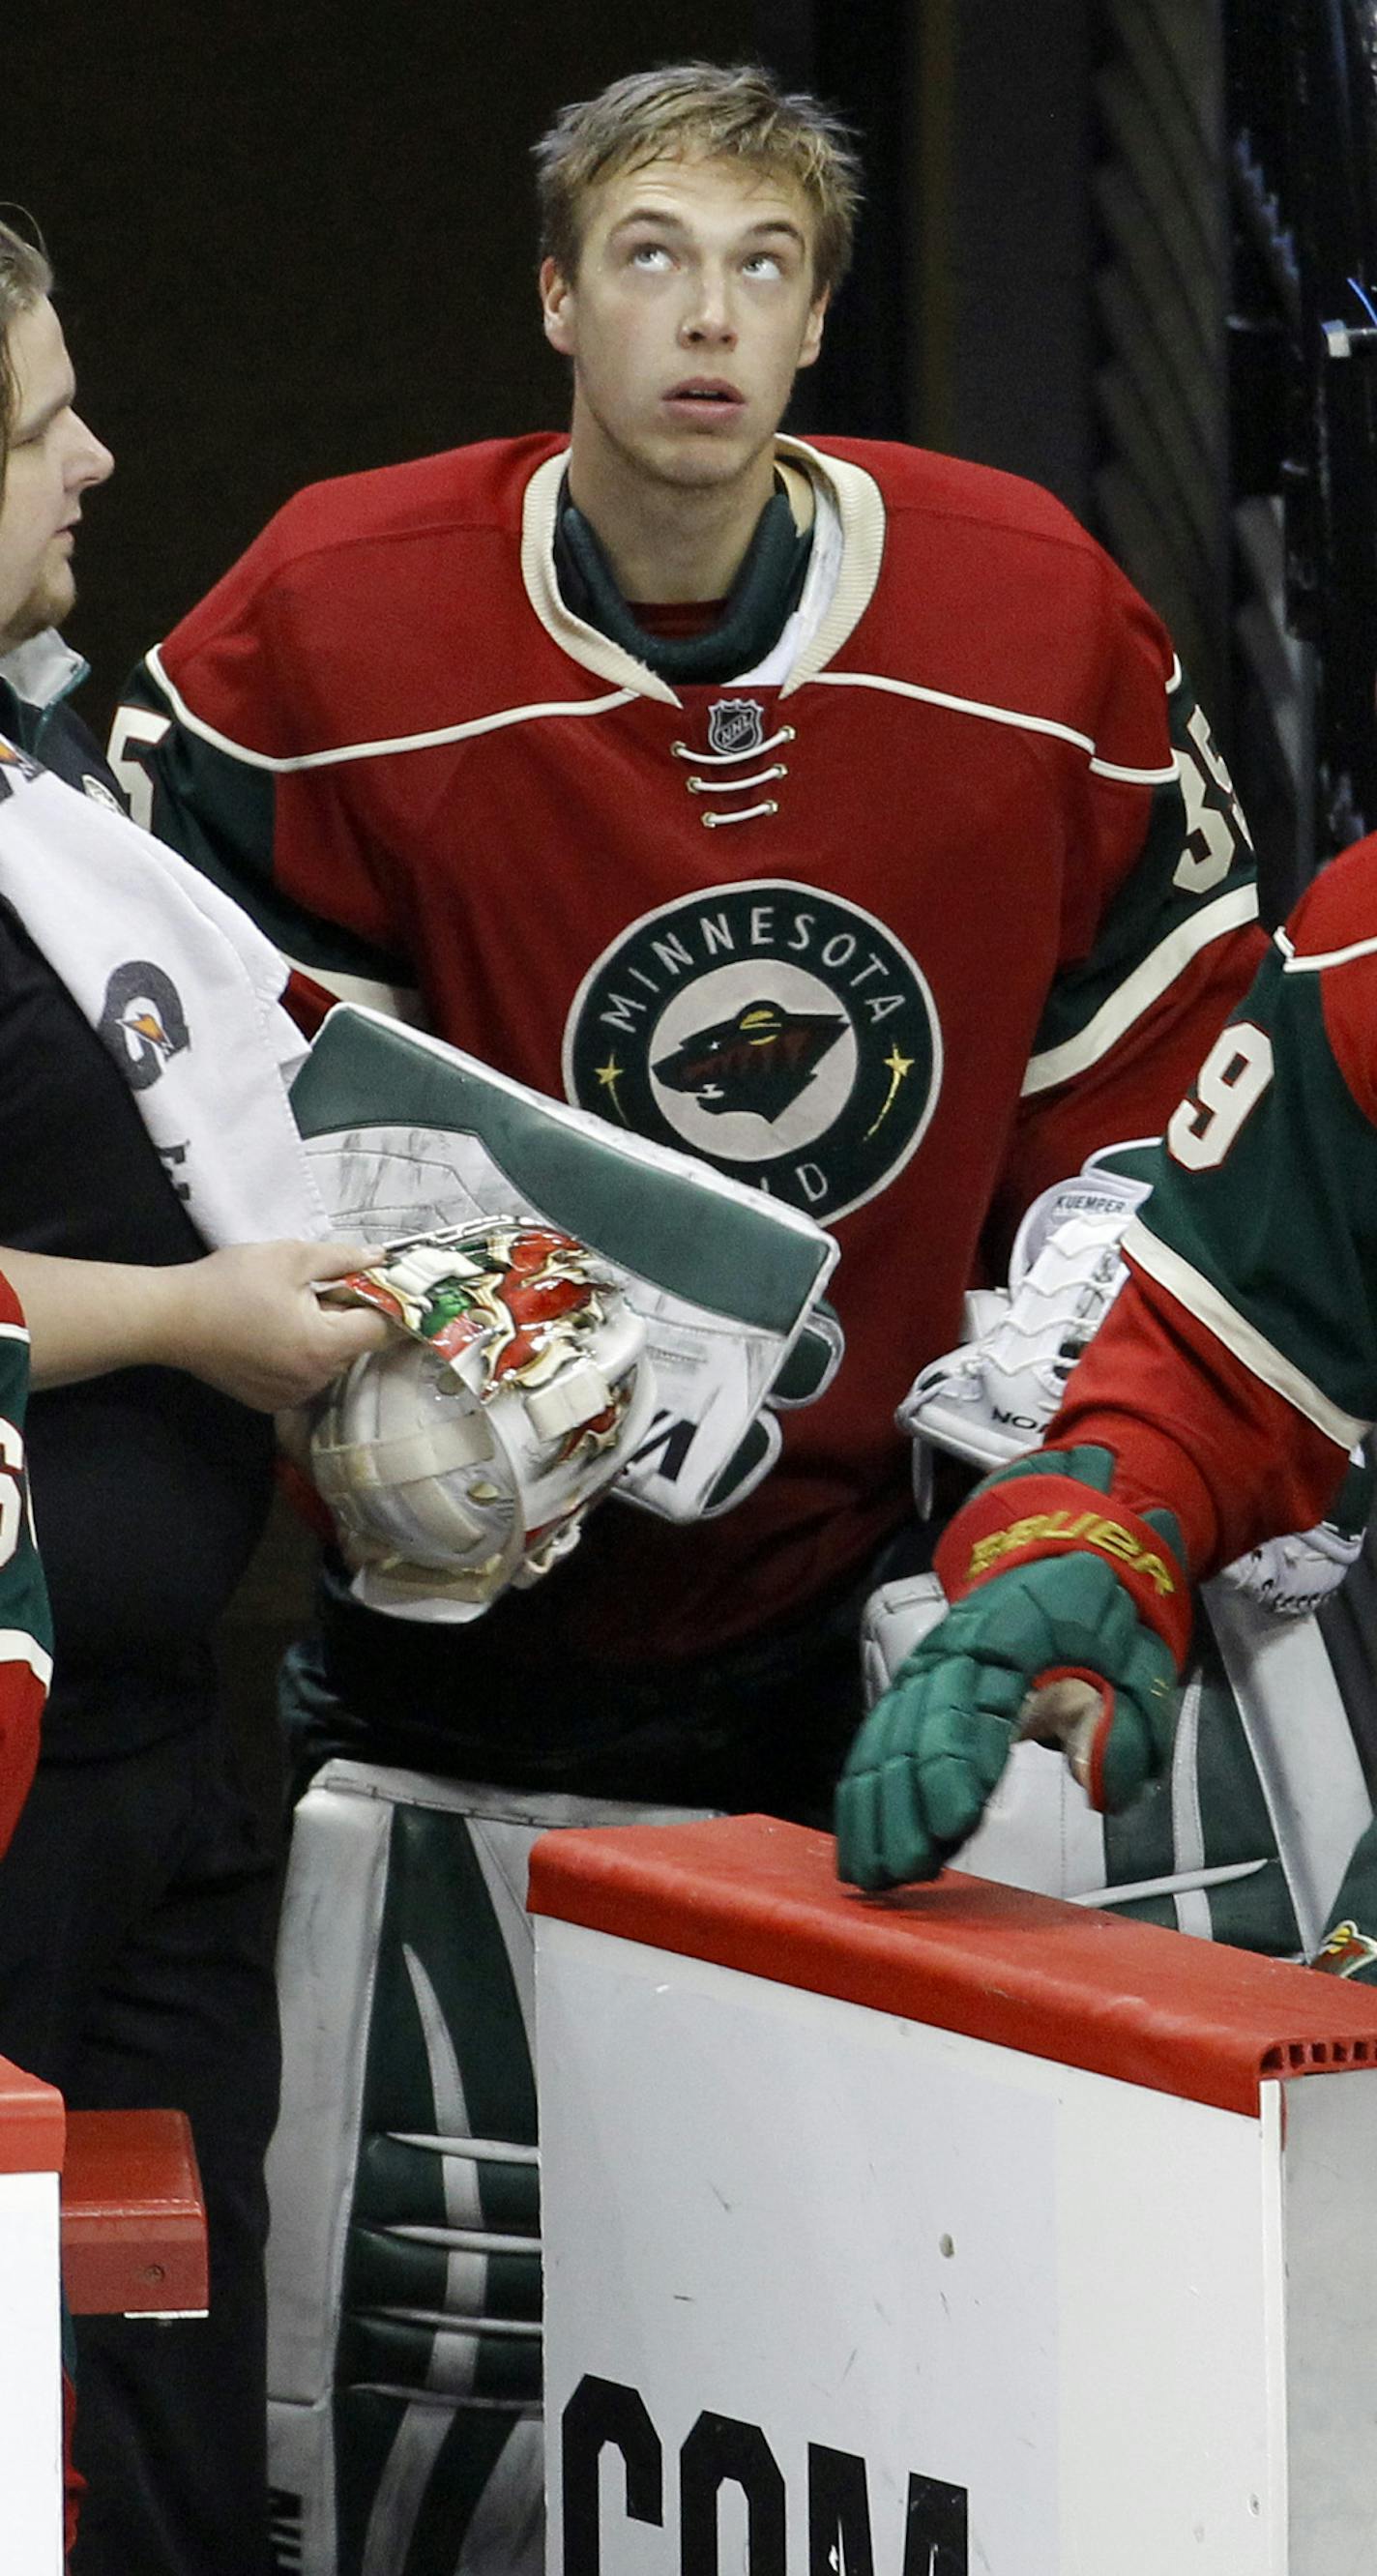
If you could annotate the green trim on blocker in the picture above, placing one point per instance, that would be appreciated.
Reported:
(735, 1253)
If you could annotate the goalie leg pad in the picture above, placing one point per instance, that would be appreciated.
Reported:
(404, 2253)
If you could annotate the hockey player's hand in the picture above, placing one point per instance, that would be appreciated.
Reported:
(1071, 1630)
(248, 1320)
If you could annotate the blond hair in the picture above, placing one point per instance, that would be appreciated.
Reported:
(708, 112)
(25, 278)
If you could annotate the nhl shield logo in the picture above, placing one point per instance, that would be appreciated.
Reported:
(736, 725)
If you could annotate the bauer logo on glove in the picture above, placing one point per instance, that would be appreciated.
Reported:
(460, 1457)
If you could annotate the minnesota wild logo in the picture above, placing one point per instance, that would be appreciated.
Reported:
(778, 1032)
(1348, 1952)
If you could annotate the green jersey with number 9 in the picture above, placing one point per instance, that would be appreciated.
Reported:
(1239, 1367)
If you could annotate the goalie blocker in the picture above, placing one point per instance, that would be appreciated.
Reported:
(406, 1136)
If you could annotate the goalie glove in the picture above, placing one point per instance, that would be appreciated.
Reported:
(461, 1456)
(1070, 1624)
(992, 1399)
(1293, 1576)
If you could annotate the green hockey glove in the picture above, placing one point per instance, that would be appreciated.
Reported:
(1069, 1626)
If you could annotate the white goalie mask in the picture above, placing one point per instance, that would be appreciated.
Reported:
(460, 1457)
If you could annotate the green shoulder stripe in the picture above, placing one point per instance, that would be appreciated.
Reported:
(1194, 880)
(220, 813)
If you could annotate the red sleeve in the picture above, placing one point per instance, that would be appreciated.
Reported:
(1191, 1428)
(307, 1002)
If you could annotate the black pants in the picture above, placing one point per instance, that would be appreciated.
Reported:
(760, 1726)
(763, 1724)
(136, 1972)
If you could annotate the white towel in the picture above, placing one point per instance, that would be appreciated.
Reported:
(182, 989)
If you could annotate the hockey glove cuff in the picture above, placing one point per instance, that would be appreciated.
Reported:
(1069, 1625)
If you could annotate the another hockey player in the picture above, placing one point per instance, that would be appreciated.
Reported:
(835, 810)
(1216, 1407)
(1247, 1833)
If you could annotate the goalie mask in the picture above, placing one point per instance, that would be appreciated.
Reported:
(460, 1457)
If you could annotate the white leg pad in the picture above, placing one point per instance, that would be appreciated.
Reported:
(404, 2253)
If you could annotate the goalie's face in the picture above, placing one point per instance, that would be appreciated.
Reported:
(692, 308)
(53, 458)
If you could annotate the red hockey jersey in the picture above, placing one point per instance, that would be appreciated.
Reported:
(948, 890)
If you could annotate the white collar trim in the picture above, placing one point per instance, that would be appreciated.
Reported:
(841, 579)
(43, 670)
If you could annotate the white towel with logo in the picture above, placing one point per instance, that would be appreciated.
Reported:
(181, 988)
